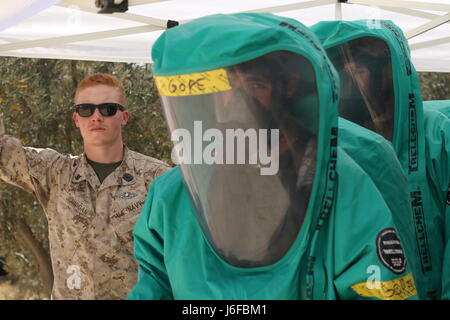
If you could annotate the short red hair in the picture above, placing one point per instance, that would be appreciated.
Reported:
(102, 78)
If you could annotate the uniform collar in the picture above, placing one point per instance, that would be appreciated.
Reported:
(123, 175)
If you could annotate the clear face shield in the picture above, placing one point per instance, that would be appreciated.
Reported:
(367, 90)
(246, 140)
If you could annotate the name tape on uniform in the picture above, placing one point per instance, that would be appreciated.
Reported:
(396, 289)
(193, 83)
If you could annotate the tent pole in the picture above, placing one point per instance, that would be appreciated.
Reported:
(293, 6)
(338, 11)
(404, 4)
(48, 42)
(428, 26)
(427, 44)
(85, 6)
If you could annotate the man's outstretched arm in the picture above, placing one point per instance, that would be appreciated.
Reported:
(25, 167)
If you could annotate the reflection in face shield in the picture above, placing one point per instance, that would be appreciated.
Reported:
(251, 220)
(365, 69)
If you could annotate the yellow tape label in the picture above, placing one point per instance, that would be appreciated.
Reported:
(193, 83)
(396, 289)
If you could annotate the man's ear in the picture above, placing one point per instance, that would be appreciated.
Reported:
(75, 119)
(125, 117)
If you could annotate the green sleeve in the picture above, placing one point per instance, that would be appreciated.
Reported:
(369, 259)
(153, 281)
(438, 148)
(446, 262)
(437, 133)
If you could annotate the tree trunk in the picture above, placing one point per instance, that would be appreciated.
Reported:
(41, 255)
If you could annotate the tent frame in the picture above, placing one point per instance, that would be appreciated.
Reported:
(412, 8)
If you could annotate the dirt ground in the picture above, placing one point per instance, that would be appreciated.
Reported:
(10, 290)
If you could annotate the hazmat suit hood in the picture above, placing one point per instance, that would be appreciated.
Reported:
(215, 70)
(374, 63)
(345, 40)
(265, 80)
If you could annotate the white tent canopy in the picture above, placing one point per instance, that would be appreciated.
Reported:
(72, 29)
(11, 14)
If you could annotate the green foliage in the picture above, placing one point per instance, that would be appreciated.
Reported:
(36, 99)
(435, 86)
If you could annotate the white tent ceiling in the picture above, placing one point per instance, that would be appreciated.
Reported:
(72, 29)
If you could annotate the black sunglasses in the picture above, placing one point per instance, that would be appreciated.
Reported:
(107, 109)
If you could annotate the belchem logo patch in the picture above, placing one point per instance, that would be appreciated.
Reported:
(390, 251)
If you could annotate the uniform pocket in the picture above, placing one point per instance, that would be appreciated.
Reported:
(75, 212)
(69, 228)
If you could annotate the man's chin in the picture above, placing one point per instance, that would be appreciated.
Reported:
(98, 142)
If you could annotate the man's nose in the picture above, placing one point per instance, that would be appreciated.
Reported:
(97, 116)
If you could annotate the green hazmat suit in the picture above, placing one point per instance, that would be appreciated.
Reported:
(382, 93)
(377, 157)
(437, 128)
(316, 228)
(442, 106)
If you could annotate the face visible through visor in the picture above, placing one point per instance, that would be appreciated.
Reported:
(367, 90)
(240, 120)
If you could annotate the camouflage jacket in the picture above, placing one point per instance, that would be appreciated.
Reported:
(90, 224)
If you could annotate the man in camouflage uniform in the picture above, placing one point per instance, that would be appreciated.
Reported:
(91, 201)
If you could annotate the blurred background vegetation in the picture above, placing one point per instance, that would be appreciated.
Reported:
(36, 99)
(435, 86)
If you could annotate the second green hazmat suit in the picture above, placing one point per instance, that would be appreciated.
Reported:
(442, 106)
(376, 156)
(380, 91)
(317, 227)
(437, 126)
